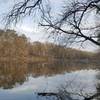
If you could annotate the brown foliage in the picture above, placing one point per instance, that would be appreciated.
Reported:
(17, 47)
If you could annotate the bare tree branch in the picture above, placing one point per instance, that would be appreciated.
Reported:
(22, 8)
(73, 16)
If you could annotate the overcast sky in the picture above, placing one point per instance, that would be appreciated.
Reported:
(30, 28)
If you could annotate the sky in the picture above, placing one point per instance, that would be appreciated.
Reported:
(30, 28)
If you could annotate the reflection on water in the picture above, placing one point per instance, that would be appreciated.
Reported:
(13, 72)
(25, 78)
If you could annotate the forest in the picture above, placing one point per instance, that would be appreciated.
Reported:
(14, 47)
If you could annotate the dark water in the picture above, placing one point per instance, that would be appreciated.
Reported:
(22, 81)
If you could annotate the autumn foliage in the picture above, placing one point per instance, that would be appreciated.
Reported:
(17, 47)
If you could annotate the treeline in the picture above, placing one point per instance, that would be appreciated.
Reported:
(57, 52)
(18, 47)
(12, 46)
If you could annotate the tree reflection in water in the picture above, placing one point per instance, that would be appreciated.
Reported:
(73, 91)
(98, 85)
(12, 73)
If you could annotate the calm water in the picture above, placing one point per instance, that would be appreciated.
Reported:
(22, 81)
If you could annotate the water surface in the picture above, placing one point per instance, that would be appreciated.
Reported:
(22, 81)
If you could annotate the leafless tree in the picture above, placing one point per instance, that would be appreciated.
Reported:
(70, 22)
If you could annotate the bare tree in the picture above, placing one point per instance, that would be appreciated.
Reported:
(22, 9)
(74, 17)
(70, 22)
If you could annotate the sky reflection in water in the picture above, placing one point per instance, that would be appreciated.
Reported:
(26, 91)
